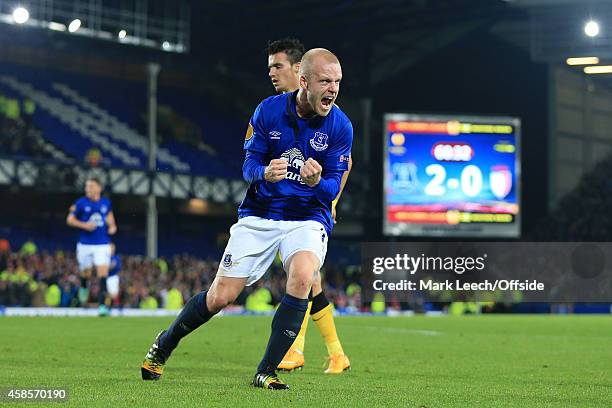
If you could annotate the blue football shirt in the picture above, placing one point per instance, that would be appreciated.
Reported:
(275, 131)
(115, 266)
(87, 210)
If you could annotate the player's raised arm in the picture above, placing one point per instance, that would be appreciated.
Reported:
(255, 145)
(335, 165)
(326, 188)
(345, 177)
(112, 225)
(72, 221)
(311, 172)
(254, 168)
(276, 170)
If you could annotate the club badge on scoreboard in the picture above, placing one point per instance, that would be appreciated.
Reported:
(500, 180)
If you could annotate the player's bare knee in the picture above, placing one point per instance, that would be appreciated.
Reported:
(298, 289)
(300, 282)
(316, 284)
(102, 271)
(303, 262)
(217, 301)
(223, 292)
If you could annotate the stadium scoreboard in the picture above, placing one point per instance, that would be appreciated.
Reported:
(451, 176)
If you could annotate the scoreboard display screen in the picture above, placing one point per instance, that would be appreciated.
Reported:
(455, 176)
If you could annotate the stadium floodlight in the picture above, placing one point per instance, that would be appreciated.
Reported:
(55, 26)
(591, 28)
(21, 15)
(167, 31)
(582, 61)
(601, 69)
(74, 25)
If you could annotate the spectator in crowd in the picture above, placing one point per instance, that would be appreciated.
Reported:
(37, 278)
(5, 252)
(93, 157)
(260, 300)
(18, 134)
(28, 248)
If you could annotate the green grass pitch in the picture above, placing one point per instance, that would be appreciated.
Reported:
(477, 361)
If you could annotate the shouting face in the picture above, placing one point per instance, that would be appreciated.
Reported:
(321, 81)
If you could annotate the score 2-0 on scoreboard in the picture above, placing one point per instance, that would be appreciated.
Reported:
(451, 176)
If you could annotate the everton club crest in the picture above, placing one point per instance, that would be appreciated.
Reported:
(227, 261)
(319, 141)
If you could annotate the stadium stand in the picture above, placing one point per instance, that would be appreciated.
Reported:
(582, 214)
(36, 278)
(79, 113)
(19, 137)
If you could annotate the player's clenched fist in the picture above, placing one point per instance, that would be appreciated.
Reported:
(276, 170)
(311, 172)
(90, 226)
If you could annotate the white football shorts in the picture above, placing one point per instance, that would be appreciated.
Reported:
(93, 255)
(112, 285)
(254, 242)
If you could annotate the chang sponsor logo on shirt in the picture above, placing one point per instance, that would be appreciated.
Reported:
(97, 219)
(295, 160)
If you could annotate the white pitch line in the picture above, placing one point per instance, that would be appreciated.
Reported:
(396, 330)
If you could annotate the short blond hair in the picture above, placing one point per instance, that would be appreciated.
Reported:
(315, 55)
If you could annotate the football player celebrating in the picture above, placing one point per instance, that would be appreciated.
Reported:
(284, 58)
(297, 148)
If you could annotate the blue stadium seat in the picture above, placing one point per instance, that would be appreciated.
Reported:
(79, 112)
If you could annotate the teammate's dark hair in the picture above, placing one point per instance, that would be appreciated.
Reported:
(95, 180)
(290, 46)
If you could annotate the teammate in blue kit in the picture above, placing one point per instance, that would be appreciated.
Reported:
(112, 282)
(93, 215)
(297, 148)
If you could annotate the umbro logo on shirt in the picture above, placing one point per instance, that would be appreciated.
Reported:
(275, 134)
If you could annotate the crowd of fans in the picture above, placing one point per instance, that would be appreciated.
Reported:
(18, 135)
(30, 277)
(583, 213)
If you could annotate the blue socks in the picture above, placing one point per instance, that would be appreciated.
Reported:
(194, 314)
(102, 293)
(285, 328)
